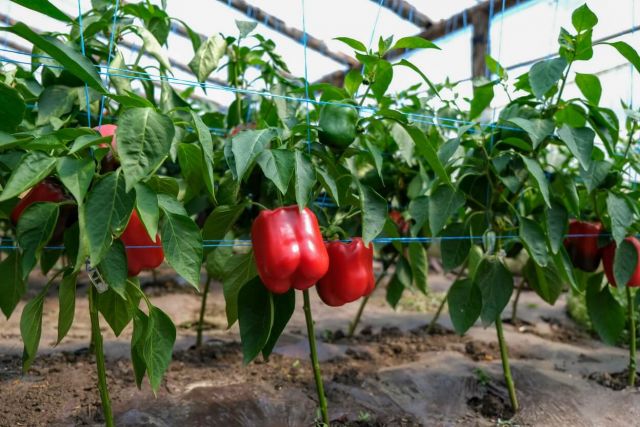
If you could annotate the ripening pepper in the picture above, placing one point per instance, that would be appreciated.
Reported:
(142, 252)
(402, 224)
(338, 124)
(608, 254)
(350, 274)
(109, 161)
(583, 248)
(288, 249)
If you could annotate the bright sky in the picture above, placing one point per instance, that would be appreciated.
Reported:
(525, 32)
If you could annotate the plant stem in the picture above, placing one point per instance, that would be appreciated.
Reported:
(311, 336)
(99, 351)
(514, 308)
(202, 310)
(506, 369)
(632, 338)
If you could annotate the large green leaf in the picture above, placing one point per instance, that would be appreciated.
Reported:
(305, 179)
(414, 42)
(45, 7)
(158, 345)
(114, 268)
(204, 137)
(105, 214)
(607, 316)
(67, 304)
(147, 207)
(533, 237)
(12, 285)
(182, 244)
(34, 230)
(557, 219)
(443, 204)
(76, 175)
(496, 285)
(144, 140)
(71, 60)
(628, 52)
(151, 45)
(115, 309)
(546, 281)
(374, 213)
(247, 145)
(583, 18)
(240, 270)
(482, 97)
(419, 266)
(31, 328)
(428, 151)
(277, 166)
(537, 129)
(12, 108)
(220, 221)
(33, 168)
(580, 142)
(455, 245)
(465, 304)
(546, 74)
(283, 308)
(255, 316)
(625, 262)
(208, 56)
(539, 178)
(590, 86)
(621, 216)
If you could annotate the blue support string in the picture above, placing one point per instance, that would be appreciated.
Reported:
(82, 47)
(111, 45)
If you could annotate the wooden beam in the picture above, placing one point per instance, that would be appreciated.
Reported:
(407, 11)
(293, 33)
(479, 43)
(435, 31)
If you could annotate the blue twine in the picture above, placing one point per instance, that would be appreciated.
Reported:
(82, 47)
(306, 78)
(155, 77)
(111, 43)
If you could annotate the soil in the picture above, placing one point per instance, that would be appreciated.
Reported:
(391, 373)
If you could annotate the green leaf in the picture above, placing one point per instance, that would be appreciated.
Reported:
(33, 168)
(85, 141)
(455, 245)
(557, 219)
(382, 79)
(305, 179)
(182, 245)
(533, 238)
(465, 304)
(580, 142)
(31, 328)
(255, 316)
(247, 145)
(565, 268)
(115, 309)
(400, 280)
(419, 211)
(545, 281)
(207, 57)
(353, 43)
(220, 221)
(106, 213)
(443, 204)
(151, 45)
(628, 52)
(374, 213)
(589, 85)
(147, 207)
(496, 285)
(72, 61)
(144, 140)
(482, 97)
(283, 308)
(67, 303)
(545, 74)
(621, 216)
(140, 328)
(12, 108)
(245, 27)
(277, 166)
(76, 175)
(55, 102)
(45, 7)
(414, 42)
(539, 178)
(419, 266)
(158, 345)
(625, 262)
(34, 230)
(190, 161)
(12, 285)
(607, 316)
(405, 63)
(583, 18)
(537, 129)
(113, 268)
(595, 174)
(352, 81)
(240, 270)
(426, 149)
(204, 137)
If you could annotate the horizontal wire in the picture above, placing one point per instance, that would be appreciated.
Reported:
(154, 77)
(379, 240)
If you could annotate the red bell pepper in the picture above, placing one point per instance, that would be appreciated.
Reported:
(350, 274)
(288, 248)
(583, 246)
(607, 260)
(45, 191)
(142, 252)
